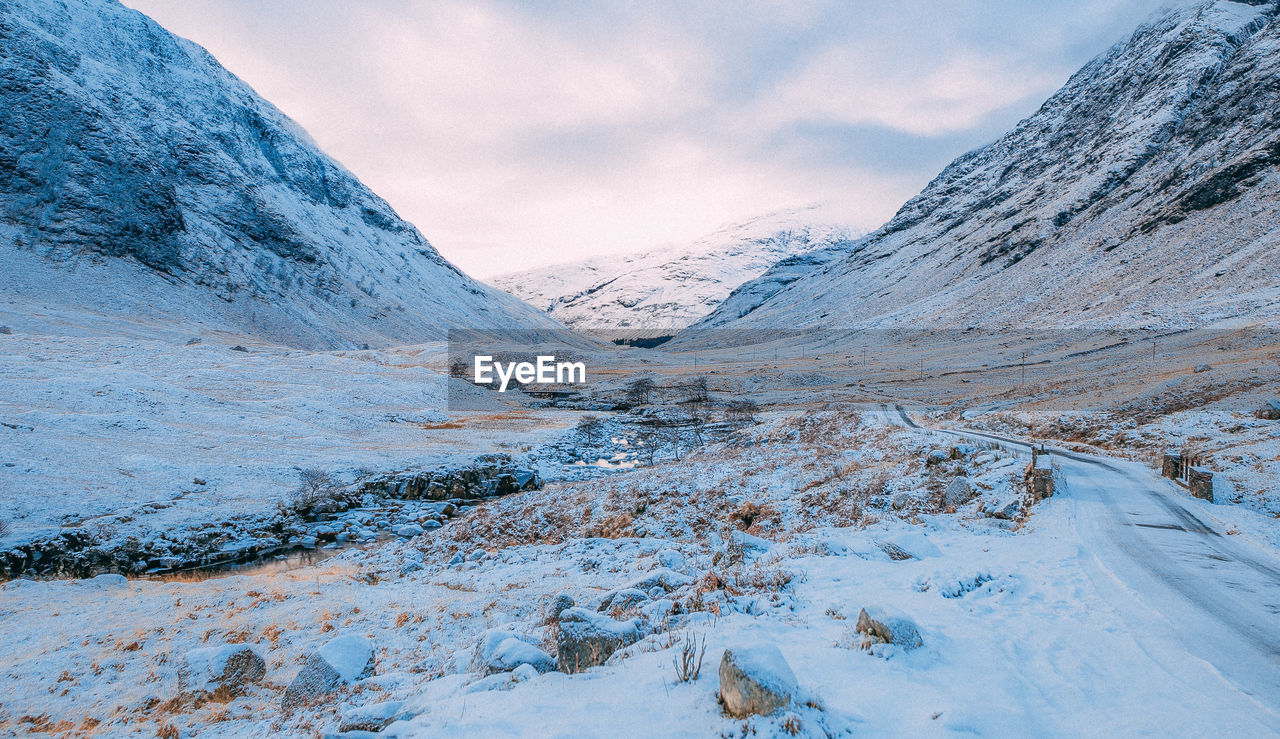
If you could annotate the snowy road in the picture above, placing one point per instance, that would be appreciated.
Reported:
(1202, 603)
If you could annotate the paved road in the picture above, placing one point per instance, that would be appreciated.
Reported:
(1176, 576)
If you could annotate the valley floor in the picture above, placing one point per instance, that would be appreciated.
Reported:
(1118, 606)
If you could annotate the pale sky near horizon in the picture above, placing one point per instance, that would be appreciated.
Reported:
(522, 134)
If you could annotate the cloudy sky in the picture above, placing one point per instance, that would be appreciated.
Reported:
(518, 133)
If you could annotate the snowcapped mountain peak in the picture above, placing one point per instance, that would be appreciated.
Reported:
(671, 287)
(140, 177)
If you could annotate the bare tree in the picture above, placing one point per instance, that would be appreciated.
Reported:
(652, 440)
(316, 487)
(589, 426)
(741, 412)
(639, 390)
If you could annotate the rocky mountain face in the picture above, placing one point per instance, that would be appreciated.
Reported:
(139, 177)
(1143, 193)
(670, 288)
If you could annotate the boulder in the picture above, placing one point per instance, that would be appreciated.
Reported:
(409, 530)
(373, 717)
(228, 669)
(959, 492)
(755, 680)
(558, 605)
(340, 662)
(1006, 508)
(936, 456)
(883, 625)
(1270, 411)
(587, 638)
(671, 559)
(502, 651)
(625, 598)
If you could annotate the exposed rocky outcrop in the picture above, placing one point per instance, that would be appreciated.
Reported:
(385, 504)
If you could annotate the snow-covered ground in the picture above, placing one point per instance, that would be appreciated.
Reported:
(148, 433)
(1029, 625)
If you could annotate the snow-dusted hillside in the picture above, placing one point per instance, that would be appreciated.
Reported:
(672, 287)
(1142, 193)
(139, 176)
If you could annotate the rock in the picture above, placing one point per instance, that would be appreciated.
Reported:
(1202, 368)
(194, 340)
(5, 330)
(671, 559)
(409, 530)
(373, 717)
(503, 680)
(229, 669)
(959, 492)
(755, 680)
(342, 661)
(888, 626)
(664, 578)
(431, 525)
(410, 567)
(456, 559)
(477, 555)
(502, 651)
(909, 545)
(1270, 411)
(625, 598)
(587, 638)
(751, 543)
(936, 456)
(558, 605)
(900, 501)
(1006, 509)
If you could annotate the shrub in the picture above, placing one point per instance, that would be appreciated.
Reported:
(688, 661)
(316, 487)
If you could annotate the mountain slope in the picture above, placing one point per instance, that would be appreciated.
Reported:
(137, 176)
(1142, 193)
(673, 287)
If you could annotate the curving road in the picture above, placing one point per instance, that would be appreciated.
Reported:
(1179, 580)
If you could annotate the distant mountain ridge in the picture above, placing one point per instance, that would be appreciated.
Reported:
(1144, 192)
(669, 288)
(138, 176)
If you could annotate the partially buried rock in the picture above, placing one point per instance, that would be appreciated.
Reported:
(587, 638)
(755, 680)
(884, 625)
(226, 670)
(341, 662)
(557, 606)
(502, 651)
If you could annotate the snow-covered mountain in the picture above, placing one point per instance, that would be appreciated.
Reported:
(670, 288)
(139, 177)
(1144, 192)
